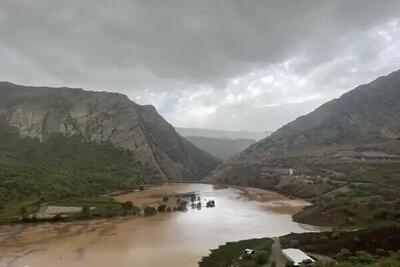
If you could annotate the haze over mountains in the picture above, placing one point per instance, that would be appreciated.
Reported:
(222, 148)
(223, 134)
(221, 144)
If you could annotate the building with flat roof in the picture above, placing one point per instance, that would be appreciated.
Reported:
(296, 256)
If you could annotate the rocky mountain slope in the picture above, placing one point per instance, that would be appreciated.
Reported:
(101, 117)
(346, 150)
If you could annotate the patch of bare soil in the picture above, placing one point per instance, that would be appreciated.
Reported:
(274, 201)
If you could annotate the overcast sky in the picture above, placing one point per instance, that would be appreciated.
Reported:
(235, 65)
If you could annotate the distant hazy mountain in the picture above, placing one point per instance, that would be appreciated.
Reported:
(222, 134)
(222, 144)
(222, 148)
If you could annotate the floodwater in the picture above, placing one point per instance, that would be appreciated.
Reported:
(176, 239)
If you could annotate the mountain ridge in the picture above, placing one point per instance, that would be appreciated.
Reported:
(346, 151)
(38, 112)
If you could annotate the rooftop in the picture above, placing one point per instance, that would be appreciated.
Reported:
(296, 255)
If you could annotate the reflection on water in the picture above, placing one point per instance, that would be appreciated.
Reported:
(173, 239)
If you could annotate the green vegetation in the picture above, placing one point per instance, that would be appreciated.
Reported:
(149, 211)
(369, 247)
(231, 252)
(162, 208)
(33, 172)
(364, 259)
(99, 206)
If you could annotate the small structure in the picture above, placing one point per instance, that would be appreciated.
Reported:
(248, 251)
(296, 256)
(291, 172)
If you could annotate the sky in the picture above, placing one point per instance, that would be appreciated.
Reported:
(250, 65)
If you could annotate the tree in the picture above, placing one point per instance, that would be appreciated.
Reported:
(294, 243)
(364, 257)
(182, 206)
(165, 199)
(162, 208)
(127, 206)
(210, 204)
(86, 211)
(344, 254)
(22, 210)
(149, 211)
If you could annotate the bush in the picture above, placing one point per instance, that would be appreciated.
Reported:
(324, 239)
(380, 252)
(86, 211)
(344, 254)
(364, 257)
(127, 206)
(149, 211)
(162, 208)
(165, 199)
(22, 210)
(294, 243)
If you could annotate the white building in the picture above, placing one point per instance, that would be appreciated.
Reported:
(296, 256)
(249, 251)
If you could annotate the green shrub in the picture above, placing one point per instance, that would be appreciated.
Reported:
(294, 243)
(149, 211)
(162, 208)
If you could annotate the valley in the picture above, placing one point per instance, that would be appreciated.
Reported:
(76, 158)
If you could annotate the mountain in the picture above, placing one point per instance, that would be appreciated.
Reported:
(348, 147)
(222, 148)
(219, 143)
(212, 133)
(104, 138)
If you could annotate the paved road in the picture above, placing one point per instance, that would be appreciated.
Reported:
(276, 254)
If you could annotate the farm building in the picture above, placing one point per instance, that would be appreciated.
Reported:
(296, 256)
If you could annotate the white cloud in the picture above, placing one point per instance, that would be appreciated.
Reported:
(229, 65)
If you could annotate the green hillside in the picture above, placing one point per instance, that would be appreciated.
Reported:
(61, 167)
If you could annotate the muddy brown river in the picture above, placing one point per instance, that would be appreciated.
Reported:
(176, 239)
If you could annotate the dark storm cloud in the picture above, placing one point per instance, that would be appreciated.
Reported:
(170, 47)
